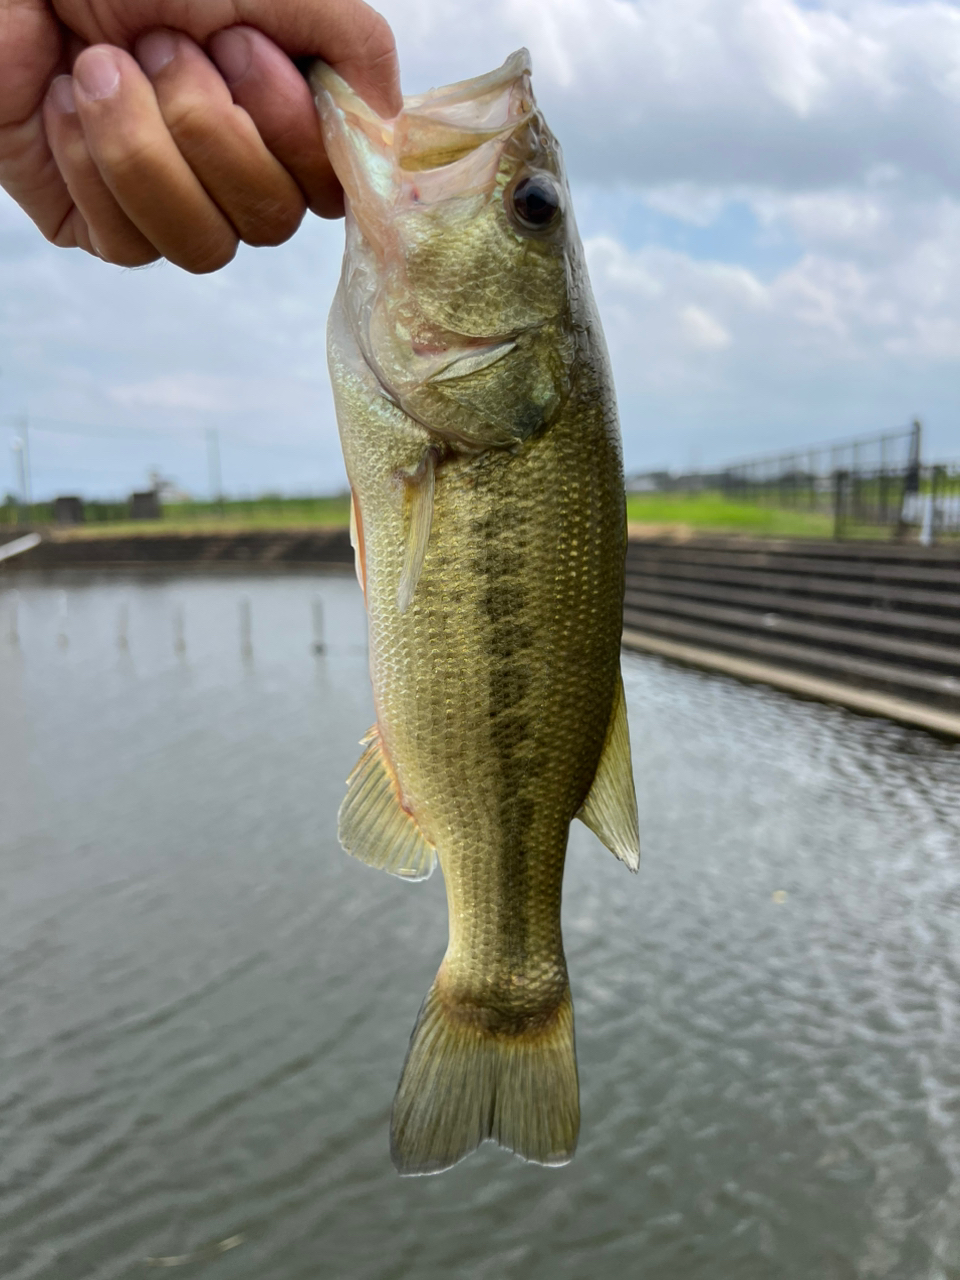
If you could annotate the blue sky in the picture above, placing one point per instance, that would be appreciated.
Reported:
(768, 192)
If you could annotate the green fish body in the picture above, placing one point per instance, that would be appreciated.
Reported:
(479, 431)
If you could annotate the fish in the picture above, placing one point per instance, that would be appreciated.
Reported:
(480, 436)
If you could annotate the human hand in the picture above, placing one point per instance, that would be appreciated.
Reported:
(140, 129)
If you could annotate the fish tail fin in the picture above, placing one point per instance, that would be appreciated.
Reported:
(462, 1084)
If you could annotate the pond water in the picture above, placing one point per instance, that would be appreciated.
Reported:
(205, 1004)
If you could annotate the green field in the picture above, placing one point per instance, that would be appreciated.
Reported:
(659, 512)
(108, 519)
(712, 511)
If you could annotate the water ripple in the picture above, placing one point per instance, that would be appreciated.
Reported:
(206, 1005)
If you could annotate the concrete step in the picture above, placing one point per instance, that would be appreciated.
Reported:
(943, 602)
(940, 554)
(826, 636)
(901, 621)
(927, 685)
(942, 577)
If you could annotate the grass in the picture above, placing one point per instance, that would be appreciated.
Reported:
(207, 517)
(709, 511)
(713, 512)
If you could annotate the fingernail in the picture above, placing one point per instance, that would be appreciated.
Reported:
(60, 95)
(155, 50)
(231, 52)
(96, 73)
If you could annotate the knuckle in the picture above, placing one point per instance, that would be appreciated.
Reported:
(272, 223)
(65, 229)
(121, 154)
(189, 118)
(125, 255)
(376, 44)
(203, 260)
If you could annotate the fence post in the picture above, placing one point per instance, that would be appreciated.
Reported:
(839, 498)
(911, 476)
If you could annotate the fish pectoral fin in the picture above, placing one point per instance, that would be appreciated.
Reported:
(610, 809)
(356, 541)
(373, 824)
(420, 488)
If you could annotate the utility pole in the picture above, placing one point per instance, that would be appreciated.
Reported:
(213, 466)
(24, 425)
(17, 447)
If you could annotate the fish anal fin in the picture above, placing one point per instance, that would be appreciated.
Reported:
(419, 492)
(462, 1084)
(610, 809)
(374, 826)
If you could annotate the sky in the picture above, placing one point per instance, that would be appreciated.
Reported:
(769, 197)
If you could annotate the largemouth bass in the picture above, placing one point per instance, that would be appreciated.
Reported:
(479, 431)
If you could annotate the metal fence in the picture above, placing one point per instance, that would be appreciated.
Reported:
(872, 482)
(869, 485)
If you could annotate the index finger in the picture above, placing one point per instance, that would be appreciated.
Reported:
(267, 85)
(32, 51)
(347, 34)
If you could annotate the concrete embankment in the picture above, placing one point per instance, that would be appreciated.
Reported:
(875, 626)
(286, 549)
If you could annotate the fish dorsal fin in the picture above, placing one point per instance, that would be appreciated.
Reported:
(610, 809)
(419, 488)
(373, 824)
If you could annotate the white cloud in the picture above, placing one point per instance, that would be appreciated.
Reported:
(705, 333)
(222, 394)
(751, 91)
(770, 196)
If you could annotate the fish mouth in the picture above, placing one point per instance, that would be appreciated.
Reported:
(442, 143)
(441, 126)
(446, 144)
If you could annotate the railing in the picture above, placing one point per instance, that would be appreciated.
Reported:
(871, 484)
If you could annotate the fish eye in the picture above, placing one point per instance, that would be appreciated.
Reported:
(536, 201)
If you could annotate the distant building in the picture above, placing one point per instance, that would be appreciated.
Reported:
(68, 510)
(145, 505)
(648, 482)
(167, 489)
(670, 482)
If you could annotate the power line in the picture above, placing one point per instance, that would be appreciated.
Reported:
(192, 435)
(66, 427)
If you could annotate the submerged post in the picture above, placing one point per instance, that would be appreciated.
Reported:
(179, 638)
(13, 633)
(318, 645)
(62, 638)
(246, 628)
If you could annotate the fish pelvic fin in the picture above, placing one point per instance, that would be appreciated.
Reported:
(610, 809)
(374, 826)
(463, 1084)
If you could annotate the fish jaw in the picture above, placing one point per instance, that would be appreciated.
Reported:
(417, 187)
(442, 144)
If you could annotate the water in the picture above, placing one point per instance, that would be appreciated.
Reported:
(204, 1004)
